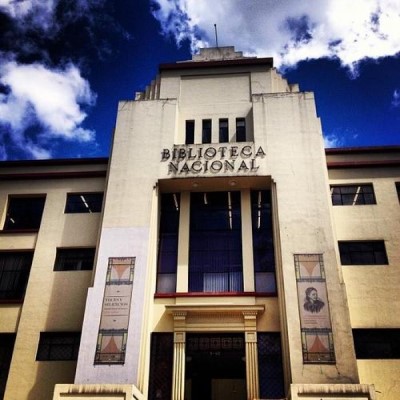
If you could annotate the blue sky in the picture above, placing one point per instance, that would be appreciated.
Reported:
(65, 64)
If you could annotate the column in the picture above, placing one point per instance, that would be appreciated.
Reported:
(178, 374)
(182, 273)
(247, 242)
(250, 322)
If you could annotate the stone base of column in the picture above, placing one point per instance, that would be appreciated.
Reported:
(332, 392)
(96, 392)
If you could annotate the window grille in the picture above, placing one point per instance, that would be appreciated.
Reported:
(371, 252)
(74, 259)
(352, 195)
(58, 346)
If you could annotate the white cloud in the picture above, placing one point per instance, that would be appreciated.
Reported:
(333, 141)
(290, 30)
(51, 98)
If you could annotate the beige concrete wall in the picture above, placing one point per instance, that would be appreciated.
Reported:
(54, 301)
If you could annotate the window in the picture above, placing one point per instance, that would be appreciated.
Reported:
(6, 349)
(223, 130)
(78, 259)
(353, 195)
(168, 243)
(270, 365)
(240, 130)
(263, 246)
(24, 213)
(363, 253)
(189, 132)
(14, 273)
(376, 343)
(206, 131)
(84, 202)
(398, 190)
(215, 243)
(58, 346)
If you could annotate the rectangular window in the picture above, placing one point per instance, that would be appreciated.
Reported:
(398, 190)
(58, 346)
(270, 365)
(161, 366)
(206, 131)
(7, 341)
(74, 259)
(24, 213)
(371, 252)
(83, 203)
(263, 245)
(223, 130)
(168, 243)
(377, 343)
(189, 132)
(240, 129)
(14, 274)
(352, 195)
(215, 244)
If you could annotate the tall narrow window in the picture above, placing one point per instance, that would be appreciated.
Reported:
(168, 243)
(24, 213)
(189, 132)
(215, 248)
(223, 130)
(6, 349)
(240, 130)
(15, 267)
(206, 131)
(398, 190)
(263, 245)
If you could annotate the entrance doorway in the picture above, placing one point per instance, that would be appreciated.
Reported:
(215, 367)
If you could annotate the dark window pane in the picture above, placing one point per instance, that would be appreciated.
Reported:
(363, 253)
(349, 195)
(168, 243)
(240, 130)
(189, 132)
(263, 245)
(223, 130)
(24, 213)
(80, 259)
(398, 190)
(206, 132)
(84, 202)
(58, 346)
(377, 343)
(14, 274)
(161, 366)
(215, 248)
(6, 349)
(270, 365)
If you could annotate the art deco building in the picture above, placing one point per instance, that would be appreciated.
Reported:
(219, 253)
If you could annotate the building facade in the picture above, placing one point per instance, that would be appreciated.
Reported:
(220, 252)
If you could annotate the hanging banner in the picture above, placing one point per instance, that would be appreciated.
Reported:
(114, 322)
(316, 329)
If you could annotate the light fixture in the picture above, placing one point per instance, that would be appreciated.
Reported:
(195, 184)
(232, 183)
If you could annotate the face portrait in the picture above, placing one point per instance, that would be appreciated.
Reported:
(313, 295)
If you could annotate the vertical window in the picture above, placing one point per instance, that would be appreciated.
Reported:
(189, 139)
(14, 274)
(398, 190)
(240, 130)
(263, 246)
(370, 252)
(83, 203)
(58, 346)
(215, 244)
(223, 130)
(6, 349)
(352, 195)
(161, 366)
(79, 259)
(168, 243)
(270, 365)
(24, 213)
(377, 343)
(206, 131)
